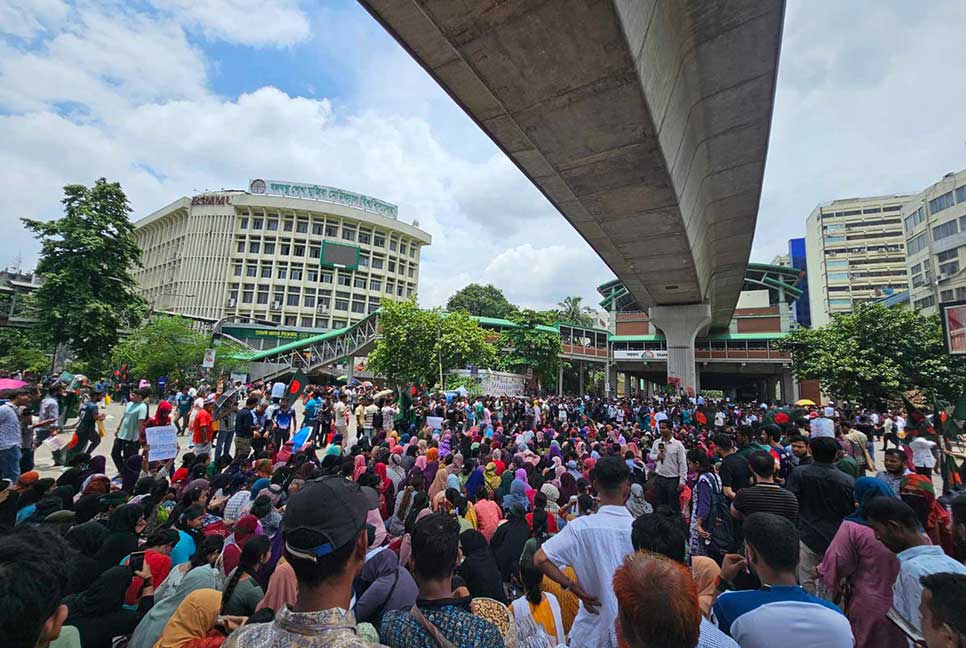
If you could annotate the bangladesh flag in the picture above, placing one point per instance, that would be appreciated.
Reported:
(704, 415)
(296, 386)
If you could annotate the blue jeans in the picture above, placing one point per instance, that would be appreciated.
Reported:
(223, 443)
(10, 463)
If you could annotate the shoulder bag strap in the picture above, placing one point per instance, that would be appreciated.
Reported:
(434, 632)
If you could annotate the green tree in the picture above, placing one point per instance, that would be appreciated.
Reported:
(529, 346)
(415, 344)
(20, 351)
(874, 354)
(570, 309)
(167, 345)
(86, 259)
(481, 301)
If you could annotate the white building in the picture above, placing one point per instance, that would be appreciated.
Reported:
(297, 255)
(935, 230)
(855, 249)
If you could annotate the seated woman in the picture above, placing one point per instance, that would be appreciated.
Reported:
(242, 592)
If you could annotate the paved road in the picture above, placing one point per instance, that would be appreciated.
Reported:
(44, 463)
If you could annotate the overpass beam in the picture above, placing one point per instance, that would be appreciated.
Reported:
(681, 324)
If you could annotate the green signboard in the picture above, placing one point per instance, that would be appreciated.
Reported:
(248, 333)
(339, 255)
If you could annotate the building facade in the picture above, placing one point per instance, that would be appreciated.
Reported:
(855, 252)
(286, 254)
(798, 258)
(935, 230)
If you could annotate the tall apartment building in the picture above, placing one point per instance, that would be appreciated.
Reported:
(935, 229)
(798, 258)
(296, 255)
(855, 252)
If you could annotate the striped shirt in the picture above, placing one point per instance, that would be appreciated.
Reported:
(767, 498)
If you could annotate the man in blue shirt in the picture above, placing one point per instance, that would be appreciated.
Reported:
(781, 613)
(897, 526)
(312, 407)
(183, 402)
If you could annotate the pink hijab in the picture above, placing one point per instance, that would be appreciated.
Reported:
(359, 469)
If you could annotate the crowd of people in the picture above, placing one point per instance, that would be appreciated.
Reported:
(358, 517)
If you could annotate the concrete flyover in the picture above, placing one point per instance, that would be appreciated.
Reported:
(645, 122)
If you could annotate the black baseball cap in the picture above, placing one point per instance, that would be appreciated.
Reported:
(325, 515)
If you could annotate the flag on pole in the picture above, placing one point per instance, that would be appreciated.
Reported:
(296, 386)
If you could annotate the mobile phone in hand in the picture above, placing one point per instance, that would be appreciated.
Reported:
(136, 563)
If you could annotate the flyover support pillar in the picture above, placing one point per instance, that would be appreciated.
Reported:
(681, 324)
(789, 388)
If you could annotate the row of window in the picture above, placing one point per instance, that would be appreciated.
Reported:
(868, 249)
(342, 279)
(916, 244)
(264, 269)
(361, 235)
(915, 218)
(286, 248)
(294, 297)
(925, 302)
(867, 210)
(949, 295)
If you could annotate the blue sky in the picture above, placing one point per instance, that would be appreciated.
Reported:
(170, 97)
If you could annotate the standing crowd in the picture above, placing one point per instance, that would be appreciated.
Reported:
(438, 520)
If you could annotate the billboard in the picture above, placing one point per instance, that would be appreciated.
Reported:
(645, 354)
(339, 255)
(953, 316)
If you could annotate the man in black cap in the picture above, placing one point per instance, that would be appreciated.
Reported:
(324, 528)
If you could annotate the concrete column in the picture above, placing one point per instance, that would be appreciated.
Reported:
(773, 383)
(789, 388)
(581, 365)
(612, 378)
(560, 380)
(350, 372)
(681, 324)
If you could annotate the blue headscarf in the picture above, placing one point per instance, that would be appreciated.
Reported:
(474, 482)
(259, 484)
(866, 489)
(517, 496)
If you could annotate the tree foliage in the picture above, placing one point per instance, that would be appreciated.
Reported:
(415, 342)
(20, 351)
(482, 301)
(528, 346)
(874, 354)
(168, 346)
(86, 259)
(570, 309)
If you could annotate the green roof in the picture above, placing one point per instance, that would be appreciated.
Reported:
(710, 336)
(505, 323)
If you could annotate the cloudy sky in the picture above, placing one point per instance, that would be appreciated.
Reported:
(174, 97)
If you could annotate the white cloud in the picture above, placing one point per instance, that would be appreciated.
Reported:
(248, 22)
(28, 18)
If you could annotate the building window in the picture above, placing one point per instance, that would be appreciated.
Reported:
(326, 277)
(344, 280)
(315, 252)
(377, 263)
(247, 296)
(940, 203)
(413, 250)
(925, 302)
(312, 275)
(296, 274)
(263, 297)
(317, 229)
(269, 248)
(364, 238)
(916, 244)
(840, 303)
(257, 223)
(358, 307)
(363, 261)
(961, 293)
(285, 249)
(251, 271)
(379, 240)
(834, 239)
(282, 272)
(946, 295)
(302, 227)
(399, 290)
(949, 269)
(392, 266)
(948, 255)
(412, 272)
(266, 272)
(293, 297)
(342, 304)
(914, 219)
(332, 230)
(338, 324)
(375, 284)
(359, 282)
(299, 250)
(961, 194)
(238, 269)
(271, 225)
(915, 269)
(309, 301)
(243, 223)
(287, 226)
(940, 232)
(291, 320)
(324, 304)
(838, 276)
(348, 234)
(254, 247)
(241, 247)
(835, 227)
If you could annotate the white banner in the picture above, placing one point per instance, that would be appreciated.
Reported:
(641, 354)
(434, 422)
(162, 442)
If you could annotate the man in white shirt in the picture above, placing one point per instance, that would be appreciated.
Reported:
(923, 458)
(594, 545)
(672, 468)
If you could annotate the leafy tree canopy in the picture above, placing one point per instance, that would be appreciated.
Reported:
(874, 354)
(169, 346)
(86, 259)
(571, 309)
(482, 301)
(527, 346)
(20, 351)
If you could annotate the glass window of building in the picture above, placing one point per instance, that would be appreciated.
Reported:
(402, 248)
(241, 247)
(298, 250)
(309, 301)
(312, 275)
(257, 223)
(291, 320)
(337, 323)
(324, 304)
(317, 229)
(914, 219)
(348, 234)
(839, 303)
(341, 304)
(331, 230)
(251, 271)
(399, 290)
(916, 244)
(940, 203)
(358, 307)
(262, 296)
(940, 232)
(302, 227)
(962, 223)
(344, 279)
(961, 194)
(285, 249)
(315, 252)
(392, 266)
(293, 297)
(412, 272)
(364, 237)
(266, 271)
(238, 270)
(375, 284)
(377, 263)
(393, 246)
(834, 239)
(413, 250)
(271, 225)
(390, 287)
(363, 261)
(379, 240)
(247, 296)
(287, 226)
(269, 247)
(946, 295)
(961, 293)
(296, 274)
(282, 272)
(915, 269)
(243, 223)
(254, 247)
(326, 277)
(948, 255)
(359, 282)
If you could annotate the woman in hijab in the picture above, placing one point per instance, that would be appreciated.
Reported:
(149, 629)
(359, 467)
(451, 490)
(438, 485)
(386, 490)
(456, 467)
(98, 612)
(868, 567)
(406, 547)
(475, 481)
(517, 496)
(88, 503)
(509, 539)
(395, 470)
(283, 588)
(636, 503)
(432, 465)
(124, 527)
(97, 466)
(193, 623)
(504, 489)
(479, 568)
(131, 471)
(918, 492)
(705, 572)
(492, 479)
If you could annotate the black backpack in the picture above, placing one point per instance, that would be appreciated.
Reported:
(377, 420)
(720, 524)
